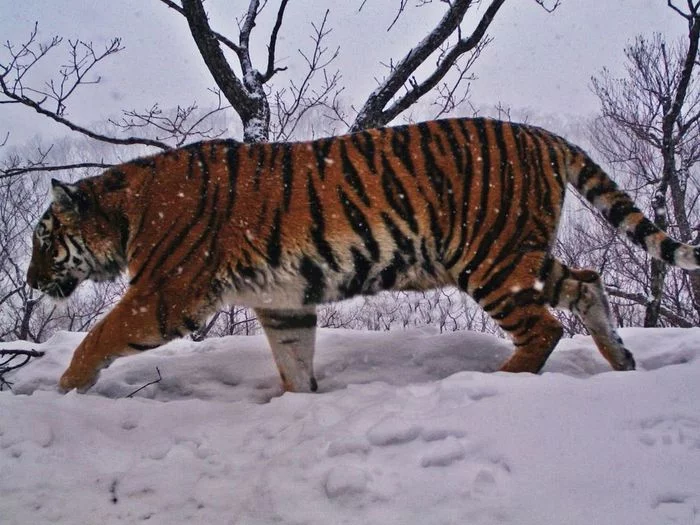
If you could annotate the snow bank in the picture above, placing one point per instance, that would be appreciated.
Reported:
(408, 427)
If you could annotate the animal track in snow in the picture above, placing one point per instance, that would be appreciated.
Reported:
(683, 432)
(393, 431)
(348, 445)
(490, 477)
(345, 480)
(677, 508)
(443, 453)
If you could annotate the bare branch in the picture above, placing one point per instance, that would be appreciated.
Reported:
(11, 355)
(83, 60)
(550, 9)
(643, 300)
(373, 113)
(13, 172)
(402, 6)
(271, 70)
(221, 38)
(155, 381)
(304, 97)
(185, 124)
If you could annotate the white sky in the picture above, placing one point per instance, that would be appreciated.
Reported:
(539, 61)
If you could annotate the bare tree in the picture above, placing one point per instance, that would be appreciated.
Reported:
(648, 130)
(270, 107)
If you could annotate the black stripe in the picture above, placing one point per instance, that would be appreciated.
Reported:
(457, 146)
(427, 264)
(668, 250)
(352, 176)
(287, 174)
(388, 275)
(508, 208)
(396, 195)
(274, 242)
(198, 214)
(451, 215)
(277, 320)
(145, 210)
(507, 308)
(362, 267)
(525, 325)
(211, 230)
(512, 327)
(260, 164)
(191, 150)
(315, 281)
(318, 226)
(619, 212)
(401, 146)
(322, 149)
(364, 143)
(232, 164)
(359, 224)
(434, 173)
(403, 243)
(547, 267)
(483, 142)
(549, 161)
(114, 180)
(466, 182)
(144, 162)
(597, 191)
(589, 170)
(143, 347)
(498, 278)
(139, 273)
(642, 231)
(79, 250)
(190, 324)
(435, 230)
(162, 316)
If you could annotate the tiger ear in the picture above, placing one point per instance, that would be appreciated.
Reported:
(66, 197)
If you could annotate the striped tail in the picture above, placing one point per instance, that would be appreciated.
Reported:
(620, 211)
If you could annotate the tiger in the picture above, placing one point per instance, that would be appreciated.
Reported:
(283, 227)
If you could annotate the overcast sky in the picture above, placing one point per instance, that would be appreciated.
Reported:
(538, 60)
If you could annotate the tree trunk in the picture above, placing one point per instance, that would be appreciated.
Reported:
(685, 232)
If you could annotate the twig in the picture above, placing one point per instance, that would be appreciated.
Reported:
(13, 354)
(13, 172)
(147, 384)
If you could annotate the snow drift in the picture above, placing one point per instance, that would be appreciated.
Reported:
(408, 428)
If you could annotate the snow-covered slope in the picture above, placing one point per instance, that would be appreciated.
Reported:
(408, 428)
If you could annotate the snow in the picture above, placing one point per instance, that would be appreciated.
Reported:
(408, 428)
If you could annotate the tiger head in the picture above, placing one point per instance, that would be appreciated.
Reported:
(73, 242)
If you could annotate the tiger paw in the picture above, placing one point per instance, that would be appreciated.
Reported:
(80, 381)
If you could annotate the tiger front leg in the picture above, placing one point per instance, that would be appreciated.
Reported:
(291, 335)
(130, 327)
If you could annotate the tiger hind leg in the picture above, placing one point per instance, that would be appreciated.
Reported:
(582, 292)
(516, 303)
(292, 337)
(535, 332)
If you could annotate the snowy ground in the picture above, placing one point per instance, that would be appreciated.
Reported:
(408, 428)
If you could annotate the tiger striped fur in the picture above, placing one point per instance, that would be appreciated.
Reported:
(282, 227)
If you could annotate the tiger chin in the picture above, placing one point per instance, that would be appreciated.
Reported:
(283, 227)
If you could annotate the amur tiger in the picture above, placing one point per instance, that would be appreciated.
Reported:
(283, 227)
